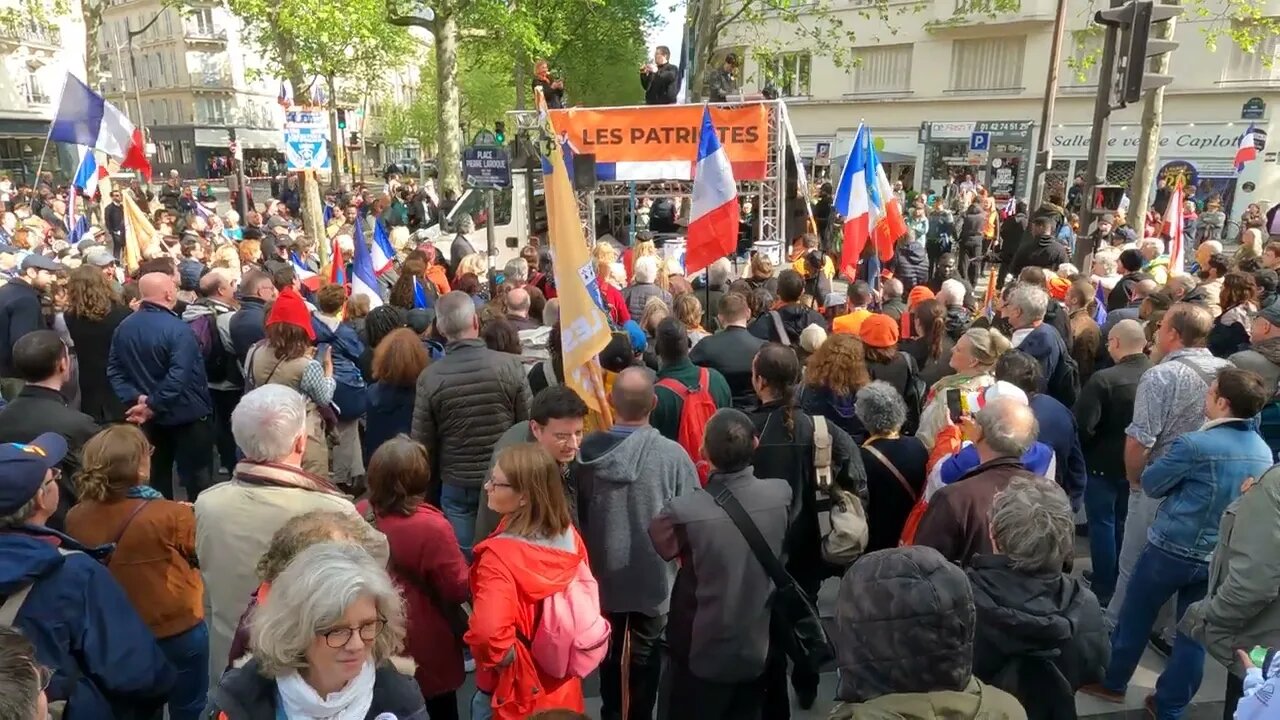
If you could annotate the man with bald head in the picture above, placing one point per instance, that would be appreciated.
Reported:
(209, 317)
(625, 476)
(1103, 411)
(518, 309)
(957, 522)
(157, 370)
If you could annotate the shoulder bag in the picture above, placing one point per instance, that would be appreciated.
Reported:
(807, 642)
(849, 534)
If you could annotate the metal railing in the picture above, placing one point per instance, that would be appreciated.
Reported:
(31, 32)
(205, 34)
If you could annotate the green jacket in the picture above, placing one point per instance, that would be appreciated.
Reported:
(666, 416)
(1242, 607)
(976, 701)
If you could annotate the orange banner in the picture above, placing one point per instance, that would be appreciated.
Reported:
(664, 133)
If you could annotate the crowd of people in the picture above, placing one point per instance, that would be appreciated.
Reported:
(231, 489)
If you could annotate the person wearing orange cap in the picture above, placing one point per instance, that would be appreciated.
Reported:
(918, 294)
(879, 334)
(287, 357)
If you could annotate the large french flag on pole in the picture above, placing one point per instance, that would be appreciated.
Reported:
(887, 223)
(85, 118)
(713, 217)
(382, 254)
(363, 280)
(853, 203)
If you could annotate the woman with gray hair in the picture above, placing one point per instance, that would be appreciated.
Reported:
(973, 358)
(1040, 634)
(322, 648)
(895, 464)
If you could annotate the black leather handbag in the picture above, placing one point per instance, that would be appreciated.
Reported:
(807, 643)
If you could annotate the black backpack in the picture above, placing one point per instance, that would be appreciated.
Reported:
(1064, 385)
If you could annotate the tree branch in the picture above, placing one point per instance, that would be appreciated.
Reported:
(720, 26)
(398, 20)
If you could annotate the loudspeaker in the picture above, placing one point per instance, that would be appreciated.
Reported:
(584, 172)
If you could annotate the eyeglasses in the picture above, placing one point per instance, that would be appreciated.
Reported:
(339, 637)
(490, 482)
(45, 675)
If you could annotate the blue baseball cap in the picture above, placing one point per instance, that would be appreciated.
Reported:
(23, 467)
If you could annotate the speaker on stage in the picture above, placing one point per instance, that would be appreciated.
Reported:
(584, 172)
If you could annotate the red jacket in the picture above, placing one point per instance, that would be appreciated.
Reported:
(509, 577)
(424, 550)
(618, 311)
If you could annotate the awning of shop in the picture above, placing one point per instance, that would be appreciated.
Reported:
(212, 137)
(260, 139)
(887, 157)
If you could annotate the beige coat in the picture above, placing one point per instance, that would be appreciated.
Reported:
(234, 524)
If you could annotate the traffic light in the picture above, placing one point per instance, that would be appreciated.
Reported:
(342, 119)
(500, 132)
(354, 140)
(1134, 20)
(1107, 199)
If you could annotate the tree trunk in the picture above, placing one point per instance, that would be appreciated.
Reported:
(449, 106)
(706, 34)
(337, 136)
(91, 13)
(1149, 144)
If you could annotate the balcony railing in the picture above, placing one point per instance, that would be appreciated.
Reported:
(211, 82)
(38, 97)
(205, 35)
(32, 33)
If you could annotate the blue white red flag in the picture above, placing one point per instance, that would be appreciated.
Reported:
(420, 299)
(382, 254)
(85, 118)
(89, 172)
(866, 201)
(309, 278)
(363, 279)
(713, 217)
(1247, 150)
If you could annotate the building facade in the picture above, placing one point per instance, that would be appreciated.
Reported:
(189, 79)
(35, 58)
(935, 75)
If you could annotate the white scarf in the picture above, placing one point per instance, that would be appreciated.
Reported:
(301, 702)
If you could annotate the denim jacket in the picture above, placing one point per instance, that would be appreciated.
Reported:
(1198, 478)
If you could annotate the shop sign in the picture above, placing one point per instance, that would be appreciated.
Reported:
(998, 130)
(1211, 140)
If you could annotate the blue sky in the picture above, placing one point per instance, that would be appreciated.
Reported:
(670, 27)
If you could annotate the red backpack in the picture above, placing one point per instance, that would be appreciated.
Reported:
(696, 409)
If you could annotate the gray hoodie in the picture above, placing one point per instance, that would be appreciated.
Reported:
(624, 480)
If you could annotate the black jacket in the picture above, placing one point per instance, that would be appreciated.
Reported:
(113, 218)
(554, 96)
(39, 410)
(1012, 235)
(787, 453)
(1045, 253)
(795, 318)
(661, 86)
(1056, 315)
(1040, 637)
(730, 351)
(973, 224)
(20, 313)
(465, 401)
(910, 264)
(1120, 294)
(1103, 411)
(244, 694)
(92, 339)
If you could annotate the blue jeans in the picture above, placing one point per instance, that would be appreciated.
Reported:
(1106, 502)
(459, 505)
(188, 652)
(481, 706)
(1157, 577)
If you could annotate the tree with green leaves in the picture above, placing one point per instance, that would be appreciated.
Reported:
(333, 39)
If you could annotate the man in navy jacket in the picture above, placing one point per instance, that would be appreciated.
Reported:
(249, 323)
(105, 661)
(1025, 310)
(1057, 424)
(157, 370)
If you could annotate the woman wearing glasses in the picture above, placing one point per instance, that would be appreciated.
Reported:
(322, 647)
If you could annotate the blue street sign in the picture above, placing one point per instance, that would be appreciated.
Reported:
(980, 142)
(302, 153)
(486, 167)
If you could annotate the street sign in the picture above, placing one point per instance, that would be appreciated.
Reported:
(980, 142)
(1255, 108)
(486, 166)
(306, 139)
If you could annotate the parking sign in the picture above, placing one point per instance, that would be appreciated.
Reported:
(980, 141)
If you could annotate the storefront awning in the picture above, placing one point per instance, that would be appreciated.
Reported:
(212, 137)
(260, 139)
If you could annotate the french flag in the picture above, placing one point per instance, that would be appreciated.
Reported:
(420, 300)
(85, 118)
(309, 279)
(337, 266)
(713, 217)
(1173, 224)
(1247, 150)
(870, 209)
(89, 172)
(382, 254)
(363, 280)
(285, 96)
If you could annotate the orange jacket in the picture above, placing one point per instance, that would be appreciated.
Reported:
(435, 273)
(509, 577)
